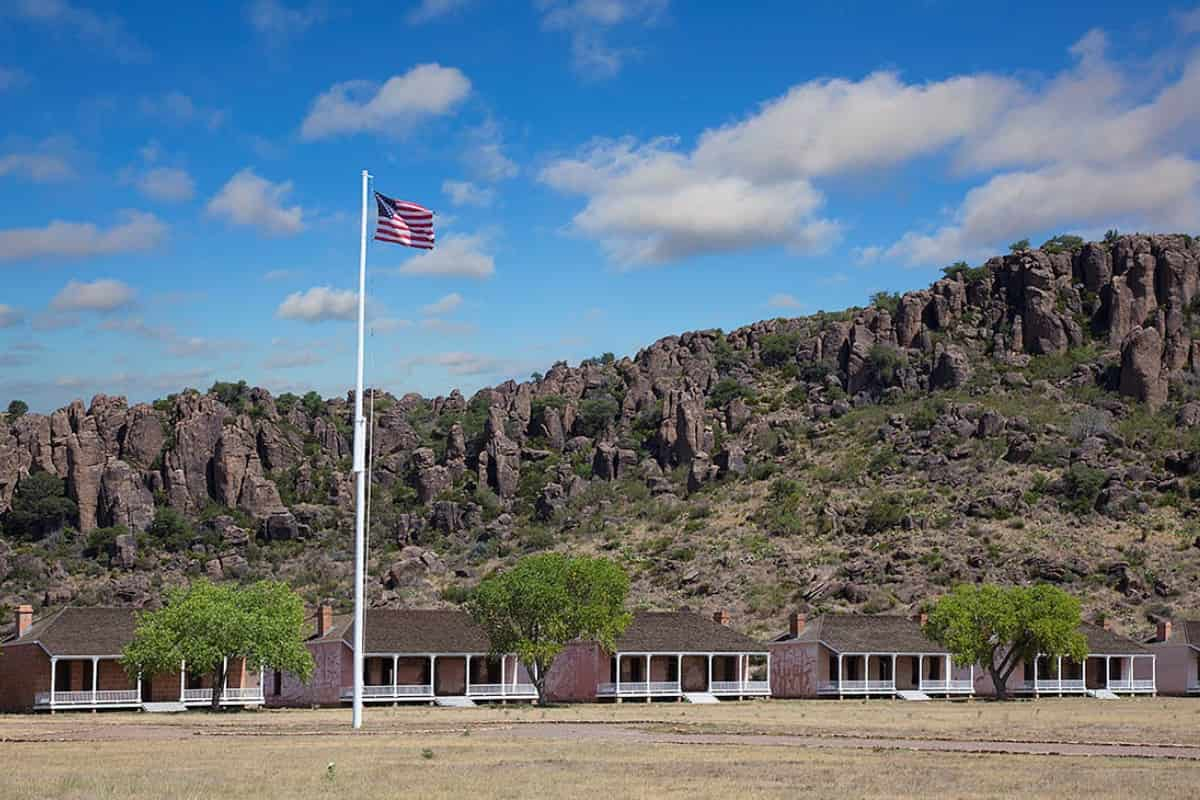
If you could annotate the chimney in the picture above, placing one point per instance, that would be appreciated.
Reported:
(324, 619)
(24, 618)
(721, 617)
(923, 620)
(797, 623)
(1163, 631)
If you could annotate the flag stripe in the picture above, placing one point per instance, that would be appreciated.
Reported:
(405, 223)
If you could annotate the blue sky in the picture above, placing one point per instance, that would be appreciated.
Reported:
(179, 185)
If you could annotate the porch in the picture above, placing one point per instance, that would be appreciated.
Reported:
(241, 687)
(408, 677)
(672, 675)
(89, 683)
(1119, 674)
(886, 674)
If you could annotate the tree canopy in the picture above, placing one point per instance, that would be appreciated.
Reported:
(546, 601)
(39, 506)
(205, 624)
(1003, 626)
(17, 409)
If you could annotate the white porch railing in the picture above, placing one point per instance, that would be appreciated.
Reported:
(952, 685)
(89, 698)
(1193, 686)
(502, 690)
(1054, 685)
(739, 687)
(250, 694)
(1131, 685)
(389, 692)
(856, 687)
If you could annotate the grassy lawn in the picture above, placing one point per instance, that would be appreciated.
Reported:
(522, 752)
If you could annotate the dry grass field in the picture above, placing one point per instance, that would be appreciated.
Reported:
(771, 749)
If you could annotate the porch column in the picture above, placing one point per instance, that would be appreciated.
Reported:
(947, 674)
(972, 679)
(1107, 670)
(182, 680)
(617, 687)
(432, 675)
(893, 672)
(1154, 674)
(503, 662)
(225, 680)
(1035, 684)
(648, 698)
(709, 687)
(467, 670)
(920, 671)
(262, 687)
(53, 676)
(1129, 675)
(840, 673)
(679, 671)
(768, 673)
(395, 675)
(95, 677)
(139, 687)
(1060, 676)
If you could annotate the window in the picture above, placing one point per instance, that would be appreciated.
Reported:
(277, 689)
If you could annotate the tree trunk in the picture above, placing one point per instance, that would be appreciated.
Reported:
(218, 686)
(999, 682)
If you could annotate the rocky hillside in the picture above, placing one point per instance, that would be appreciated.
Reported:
(1034, 418)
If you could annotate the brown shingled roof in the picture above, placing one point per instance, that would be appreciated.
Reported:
(414, 630)
(682, 632)
(860, 633)
(1105, 642)
(82, 631)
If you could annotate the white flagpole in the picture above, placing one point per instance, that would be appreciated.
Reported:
(360, 470)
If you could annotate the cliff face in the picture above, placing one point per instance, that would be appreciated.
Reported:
(688, 417)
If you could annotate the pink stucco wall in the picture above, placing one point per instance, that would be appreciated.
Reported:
(576, 673)
(1177, 667)
(797, 668)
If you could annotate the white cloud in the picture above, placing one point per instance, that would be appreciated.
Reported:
(444, 305)
(12, 78)
(457, 255)
(37, 167)
(428, 10)
(247, 199)
(139, 231)
(651, 204)
(389, 324)
(425, 91)
(169, 184)
(783, 300)
(1085, 114)
(465, 193)
(105, 31)
(485, 156)
(834, 126)
(589, 22)
(46, 161)
(178, 108)
(460, 363)
(102, 295)
(320, 304)
(291, 360)
(278, 22)
(868, 255)
(1164, 192)
(10, 317)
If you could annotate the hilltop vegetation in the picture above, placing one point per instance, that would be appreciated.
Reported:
(1031, 418)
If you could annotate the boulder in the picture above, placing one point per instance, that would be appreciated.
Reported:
(551, 500)
(1142, 376)
(124, 498)
(124, 551)
(731, 461)
(952, 369)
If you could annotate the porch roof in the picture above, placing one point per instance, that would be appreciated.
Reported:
(413, 630)
(98, 631)
(861, 633)
(1105, 642)
(682, 632)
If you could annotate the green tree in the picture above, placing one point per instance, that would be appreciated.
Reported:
(1063, 243)
(171, 529)
(778, 349)
(548, 600)
(39, 506)
(886, 301)
(1019, 246)
(597, 412)
(17, 409)
(313, 404)
(1003, 626)
(1111, 235)
(205, 624)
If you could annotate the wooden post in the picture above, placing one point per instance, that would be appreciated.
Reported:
(53, 678)
(95, 679)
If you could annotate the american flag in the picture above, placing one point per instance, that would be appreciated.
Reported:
(404, 223)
